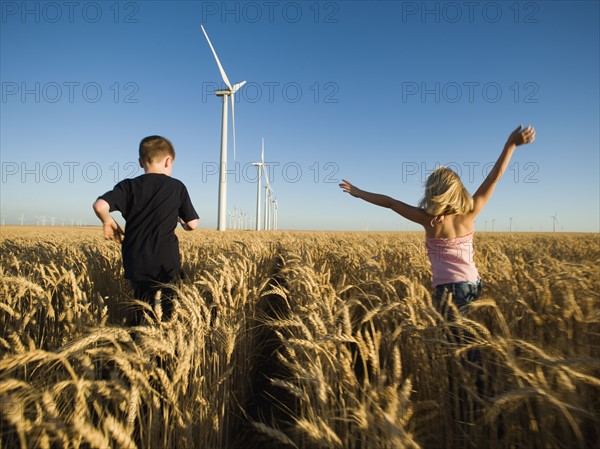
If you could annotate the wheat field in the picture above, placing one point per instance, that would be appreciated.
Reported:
(299, 340)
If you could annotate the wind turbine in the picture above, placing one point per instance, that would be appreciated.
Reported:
(259, 167)
(554, 221)
(225, 93)
(266, 217)
(273, 199)
(268, 195)
(276, 213)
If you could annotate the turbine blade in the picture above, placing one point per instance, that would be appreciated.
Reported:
(262, 154)
(233, 122)
(237, 86)
(223, 74)
(266, 176)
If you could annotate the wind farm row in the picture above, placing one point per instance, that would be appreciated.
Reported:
(271, 205)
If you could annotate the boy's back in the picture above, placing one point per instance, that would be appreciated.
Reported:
(151, 205)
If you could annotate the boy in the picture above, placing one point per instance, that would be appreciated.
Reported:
(151, 205)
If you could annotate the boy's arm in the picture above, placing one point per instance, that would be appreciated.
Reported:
(190, 225)
(409, 212)
(518, 137)
(112, 231)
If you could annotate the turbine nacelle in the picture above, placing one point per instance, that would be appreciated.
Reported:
(230, 91)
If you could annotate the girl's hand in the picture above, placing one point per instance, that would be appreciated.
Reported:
(349, 188)
(521, 136)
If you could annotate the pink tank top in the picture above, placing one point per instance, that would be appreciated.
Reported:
(452, 260)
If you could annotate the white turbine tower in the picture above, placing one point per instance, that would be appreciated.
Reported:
(259, 167)
(266, 212)
(554, 221)
(275, 214)
(225, 93)
(268, 193)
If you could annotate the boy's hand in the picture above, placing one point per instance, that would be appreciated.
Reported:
(349, 188)
(183, 224)
(113, 232)
(521, 136)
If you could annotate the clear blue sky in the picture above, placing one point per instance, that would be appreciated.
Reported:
(375, 92)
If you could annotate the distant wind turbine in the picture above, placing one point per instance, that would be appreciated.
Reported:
(554, 221)
(268, 195)
(229, 92)
(275, 214)
(259, 168)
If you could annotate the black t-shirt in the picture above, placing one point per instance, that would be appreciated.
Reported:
(151, 205)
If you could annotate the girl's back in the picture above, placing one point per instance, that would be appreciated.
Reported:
(450, 226)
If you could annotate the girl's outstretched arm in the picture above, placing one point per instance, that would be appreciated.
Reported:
(519, 136)
(407, 211)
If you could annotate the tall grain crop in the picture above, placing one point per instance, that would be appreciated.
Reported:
(304, 340)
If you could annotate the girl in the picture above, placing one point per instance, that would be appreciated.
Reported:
(447, 212)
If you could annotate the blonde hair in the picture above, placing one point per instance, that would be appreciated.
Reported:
(153, 148)
(445, 194)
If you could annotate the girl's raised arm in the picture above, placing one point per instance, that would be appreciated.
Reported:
(409, 212)
(518, 137)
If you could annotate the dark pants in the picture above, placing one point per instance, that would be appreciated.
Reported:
(462, 294)
(147, 291)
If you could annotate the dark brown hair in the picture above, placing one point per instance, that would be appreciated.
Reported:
(153, 148)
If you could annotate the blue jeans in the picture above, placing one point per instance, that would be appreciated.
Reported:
(462, 294)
